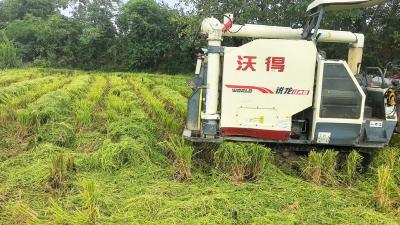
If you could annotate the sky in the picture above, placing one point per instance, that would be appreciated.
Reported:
(171, 2)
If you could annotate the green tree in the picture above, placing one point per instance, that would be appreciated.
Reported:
(25, 33)
(98, 37)
(8, 53)
(17, 9)
(154, 38)
(272, 12)
(266, 12)
(144, 35)
(380, 24)
(58, 43)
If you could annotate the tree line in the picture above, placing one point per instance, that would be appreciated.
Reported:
(145, 35)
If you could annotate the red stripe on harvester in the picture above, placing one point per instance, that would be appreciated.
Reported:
(267, 90)
(261, 89)
(256, 133)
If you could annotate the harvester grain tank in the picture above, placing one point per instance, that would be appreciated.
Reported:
(279, 88)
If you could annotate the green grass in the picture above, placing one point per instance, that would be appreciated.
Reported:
(384, 182)
(15, 75)
(352, 167)
(175, 83)
(172, 99)
(242, 161)
(57, 172)
(182, 157)
(107, 149)
(54, 105)
(312, 167)
(329, 167)
(155, 107)
(322, 168)
(86, 108)
(18, 89)
(11, 103)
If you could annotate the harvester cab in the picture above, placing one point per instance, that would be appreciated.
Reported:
(279, 88)
(388, 78)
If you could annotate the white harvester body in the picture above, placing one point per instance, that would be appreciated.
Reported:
(279, 88)
(263, 87)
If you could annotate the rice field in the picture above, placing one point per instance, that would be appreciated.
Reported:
(106, 148)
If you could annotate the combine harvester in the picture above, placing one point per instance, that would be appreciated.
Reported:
(279, 88)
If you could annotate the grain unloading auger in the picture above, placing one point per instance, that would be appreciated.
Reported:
(279, 88)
